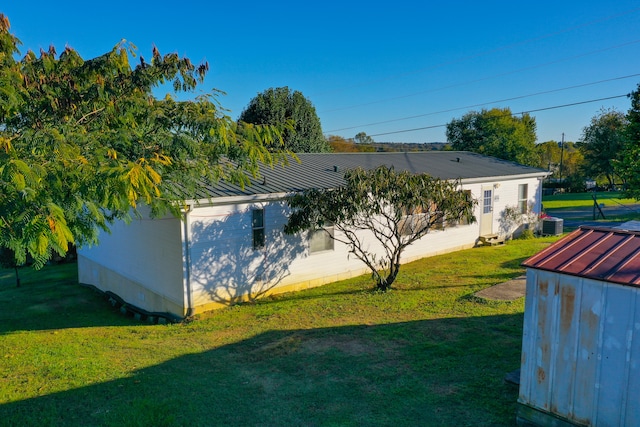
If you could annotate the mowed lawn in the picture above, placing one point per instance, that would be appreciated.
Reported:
(578, 200)
(427, 353)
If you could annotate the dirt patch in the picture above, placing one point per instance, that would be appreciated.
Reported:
(507, 291)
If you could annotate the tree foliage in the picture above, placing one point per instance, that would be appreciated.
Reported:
(628, 165)
(363, 138)
(602, 143)
(280, 106)
(82, 142)
(340, 145)
(393, 208)
(564, 161)
(496, 133)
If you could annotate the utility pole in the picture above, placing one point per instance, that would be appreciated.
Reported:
(561, 159)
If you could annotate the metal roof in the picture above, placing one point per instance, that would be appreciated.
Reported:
(607, 254)
(325, 170)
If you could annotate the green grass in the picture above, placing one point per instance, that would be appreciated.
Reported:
(426, 353)
(573, 200)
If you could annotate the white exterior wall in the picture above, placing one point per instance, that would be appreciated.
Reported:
(141, 262)
(225, 267)
(169, 265)
(580, 351)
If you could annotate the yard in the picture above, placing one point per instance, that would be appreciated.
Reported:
(426, 353)
(585, 200)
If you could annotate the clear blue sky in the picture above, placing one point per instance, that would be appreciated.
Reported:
(411, 64)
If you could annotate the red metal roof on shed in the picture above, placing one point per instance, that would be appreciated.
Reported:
(607, 254)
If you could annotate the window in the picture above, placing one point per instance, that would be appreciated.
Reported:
(321, 240)
(464, 220)
(257, 226)
(487, 201)
(523, 198)
(415, 219)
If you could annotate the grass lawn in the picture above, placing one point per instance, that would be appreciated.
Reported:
(574, 200)
(426, 353)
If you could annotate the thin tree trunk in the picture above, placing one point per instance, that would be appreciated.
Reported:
(15, 267)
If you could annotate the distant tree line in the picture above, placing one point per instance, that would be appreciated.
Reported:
(608, 152)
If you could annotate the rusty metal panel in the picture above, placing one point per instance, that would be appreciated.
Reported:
(587, 362)
(529, 339)
(565, 343)
(612, 382)
(633, 375)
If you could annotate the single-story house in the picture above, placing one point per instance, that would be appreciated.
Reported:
(229, 244)
(581, 335)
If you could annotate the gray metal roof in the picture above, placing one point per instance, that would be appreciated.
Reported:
(325, 170)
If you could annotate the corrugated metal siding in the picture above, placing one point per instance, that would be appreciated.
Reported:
(597, 253)
(581, 349)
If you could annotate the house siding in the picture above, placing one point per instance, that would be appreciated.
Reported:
(206, 259)
(225, 267)
(141, 262)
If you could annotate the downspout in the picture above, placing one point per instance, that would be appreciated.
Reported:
(187, 259)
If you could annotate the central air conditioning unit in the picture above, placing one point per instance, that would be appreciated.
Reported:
(552, 226)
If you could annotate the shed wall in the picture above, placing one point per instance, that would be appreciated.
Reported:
(581, 349)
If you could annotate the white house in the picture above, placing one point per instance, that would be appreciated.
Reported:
(229, 244)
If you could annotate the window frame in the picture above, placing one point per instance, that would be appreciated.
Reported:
(523, 198)
(328, 242)
(258, 234)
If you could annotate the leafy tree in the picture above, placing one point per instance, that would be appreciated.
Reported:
(496, 133)
(552, 156)
(363, 138)
(628, 165)
(340, 145)
(280, 106)
(393, 208)
(602, 143)
(83, 142)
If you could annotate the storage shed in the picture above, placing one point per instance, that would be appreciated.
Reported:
(581, 337)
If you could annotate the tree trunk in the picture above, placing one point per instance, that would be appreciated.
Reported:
(385, 284)
(15, 267)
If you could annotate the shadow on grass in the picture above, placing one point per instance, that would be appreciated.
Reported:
(431, 372)
(52, 299)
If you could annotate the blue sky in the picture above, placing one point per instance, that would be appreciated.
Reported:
(380, 68)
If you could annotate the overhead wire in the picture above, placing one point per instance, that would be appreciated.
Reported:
(488, 52)
(486, 103)
(533, 67)
(508, 114)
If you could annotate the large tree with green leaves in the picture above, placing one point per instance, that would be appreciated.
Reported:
(381, 208)
(84, 142)
(628, 165)
(280, 106)
(602, 143)
(496, 133)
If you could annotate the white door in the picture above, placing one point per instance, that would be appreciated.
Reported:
(486, 214)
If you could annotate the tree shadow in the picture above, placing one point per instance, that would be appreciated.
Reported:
(225, 266)
(52, 299)
(430, 372)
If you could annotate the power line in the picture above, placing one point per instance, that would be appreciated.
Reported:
(512, 114)
(533, 67)
(486, 103)
(487, 52)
